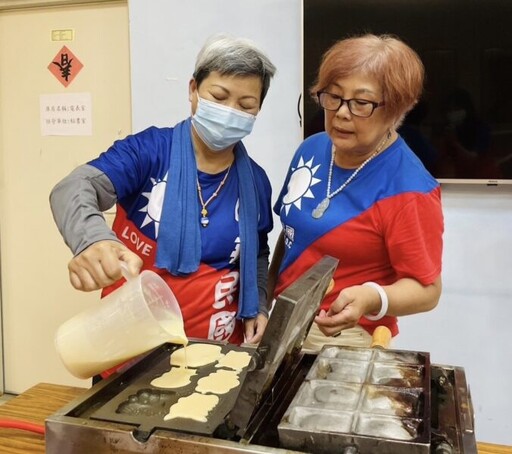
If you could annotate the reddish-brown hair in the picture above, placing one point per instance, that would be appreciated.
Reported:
(389, 60)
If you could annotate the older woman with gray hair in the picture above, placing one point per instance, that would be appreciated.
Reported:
(191, 205)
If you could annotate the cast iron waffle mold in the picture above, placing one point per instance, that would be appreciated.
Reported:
(352, 392)
(144, 406)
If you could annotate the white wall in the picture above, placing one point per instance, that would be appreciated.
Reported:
(469, 327)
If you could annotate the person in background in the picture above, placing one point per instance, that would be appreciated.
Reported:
(411, 131)
(358, 193)
(462, 119)
(465, 141)
(192, 206)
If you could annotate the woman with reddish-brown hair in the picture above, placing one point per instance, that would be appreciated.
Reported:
(358, 193)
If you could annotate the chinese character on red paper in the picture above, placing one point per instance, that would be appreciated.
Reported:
(65, 66)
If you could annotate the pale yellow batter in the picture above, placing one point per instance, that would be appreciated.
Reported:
(235, 360)
(177, 377)
(220, 382)
(196, 355)
(196, 406)
(174, 328)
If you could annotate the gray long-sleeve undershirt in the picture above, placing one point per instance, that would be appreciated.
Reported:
(77, 203)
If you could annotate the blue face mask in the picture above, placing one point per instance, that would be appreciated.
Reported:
(220, 126)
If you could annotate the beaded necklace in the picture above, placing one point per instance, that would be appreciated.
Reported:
(321, 208)
(204, 212)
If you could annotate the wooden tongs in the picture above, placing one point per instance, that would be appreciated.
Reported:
(381, 337)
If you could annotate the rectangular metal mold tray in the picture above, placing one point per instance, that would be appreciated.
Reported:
(144, 406)
(373, 397)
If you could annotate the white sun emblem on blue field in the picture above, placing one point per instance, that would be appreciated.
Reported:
(155, 198)
(301, 180)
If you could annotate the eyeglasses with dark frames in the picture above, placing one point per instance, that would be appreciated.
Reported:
(357, 107)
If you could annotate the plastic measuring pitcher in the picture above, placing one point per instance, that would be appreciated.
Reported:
(135, 318)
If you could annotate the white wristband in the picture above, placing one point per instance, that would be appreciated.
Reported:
(384, 303)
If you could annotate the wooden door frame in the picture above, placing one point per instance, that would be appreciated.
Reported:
(6, 5)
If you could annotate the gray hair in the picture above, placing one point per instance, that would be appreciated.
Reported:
(233, 56)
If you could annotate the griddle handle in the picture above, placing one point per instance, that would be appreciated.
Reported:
(467, 415)
(258, 358)
(381, 337)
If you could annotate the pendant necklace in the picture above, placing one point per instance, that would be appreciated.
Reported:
(321, 208)
(204, 212)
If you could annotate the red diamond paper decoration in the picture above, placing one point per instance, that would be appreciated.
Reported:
(65, 66)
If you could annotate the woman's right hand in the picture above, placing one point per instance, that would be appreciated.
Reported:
(99, 265)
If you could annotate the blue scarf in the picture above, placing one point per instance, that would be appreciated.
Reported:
(179, 235)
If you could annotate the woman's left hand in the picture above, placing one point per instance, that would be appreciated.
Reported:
(254, 328)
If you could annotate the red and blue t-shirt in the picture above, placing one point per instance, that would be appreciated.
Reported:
(385, 225)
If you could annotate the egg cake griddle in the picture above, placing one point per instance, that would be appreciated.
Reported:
(374, 395)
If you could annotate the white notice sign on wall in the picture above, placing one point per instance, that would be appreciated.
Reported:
(66, 114)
